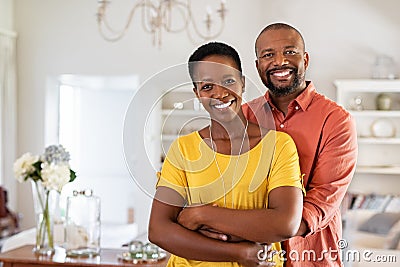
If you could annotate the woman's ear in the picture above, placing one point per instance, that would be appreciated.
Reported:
(196, 92)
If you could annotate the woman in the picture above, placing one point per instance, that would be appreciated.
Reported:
(227, 189)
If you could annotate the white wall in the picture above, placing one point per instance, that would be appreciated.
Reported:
(6, 15)
(342, 37)
(7, 29)
(58, 37)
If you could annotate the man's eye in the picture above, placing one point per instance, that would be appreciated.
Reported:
(290, 52)
(267, 55)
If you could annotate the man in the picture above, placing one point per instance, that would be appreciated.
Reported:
(325, 137)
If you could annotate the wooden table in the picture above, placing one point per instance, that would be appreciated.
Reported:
(24, 257)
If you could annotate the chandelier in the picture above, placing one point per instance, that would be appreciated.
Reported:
(171, 16)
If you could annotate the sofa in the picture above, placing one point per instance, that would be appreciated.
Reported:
(371, 239)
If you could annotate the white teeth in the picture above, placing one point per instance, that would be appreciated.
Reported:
(223, 105)
(281, 74)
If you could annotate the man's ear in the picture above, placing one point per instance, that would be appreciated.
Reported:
(243, 83)
(306, 59)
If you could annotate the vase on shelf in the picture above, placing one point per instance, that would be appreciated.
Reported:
(45, 203)
(383, 102)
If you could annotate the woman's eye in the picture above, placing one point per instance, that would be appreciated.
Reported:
(228, 82)
(207, 86)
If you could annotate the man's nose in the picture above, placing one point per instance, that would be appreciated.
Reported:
(280, 59)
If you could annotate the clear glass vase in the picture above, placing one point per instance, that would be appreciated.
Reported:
(82, 230)
(45, 204)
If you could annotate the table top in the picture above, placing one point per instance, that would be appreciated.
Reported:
(113, 235)
(107, 258)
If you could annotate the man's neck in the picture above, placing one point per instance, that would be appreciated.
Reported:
(282, 102)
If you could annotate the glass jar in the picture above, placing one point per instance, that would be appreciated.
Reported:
(82, 230)
(136, 249)
(151, 252)
(384, 68)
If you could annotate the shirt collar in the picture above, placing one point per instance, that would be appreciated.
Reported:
(303, 100)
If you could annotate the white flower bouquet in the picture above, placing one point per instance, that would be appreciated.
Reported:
(52, 168)
(48, 172)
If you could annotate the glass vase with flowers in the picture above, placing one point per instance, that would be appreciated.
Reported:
(48, 174)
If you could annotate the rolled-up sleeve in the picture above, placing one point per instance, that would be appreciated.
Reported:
(332, 173)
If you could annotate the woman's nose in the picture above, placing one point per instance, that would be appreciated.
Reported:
(220, 91)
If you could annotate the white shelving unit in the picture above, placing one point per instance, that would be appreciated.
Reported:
(378, 163)
(181, 114)
(377, 175)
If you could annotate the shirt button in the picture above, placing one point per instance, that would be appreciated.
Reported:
(296, 107)
(282, 125)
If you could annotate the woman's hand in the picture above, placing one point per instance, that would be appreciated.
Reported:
(254, 254)
(211, 233)
(190, 217)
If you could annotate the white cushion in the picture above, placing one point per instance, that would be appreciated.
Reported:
(380, 223)
(393, 237)
(354, 218)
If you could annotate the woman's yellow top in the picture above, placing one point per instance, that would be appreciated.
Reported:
(201, 175)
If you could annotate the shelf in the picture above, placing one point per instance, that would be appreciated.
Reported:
(184, 88)
(375, 113)
(183, 112)
(379, 141)
(369, 85)
(169, 137)
(378, 169)
(378, 157)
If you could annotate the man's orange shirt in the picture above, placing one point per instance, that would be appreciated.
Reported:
(326, 140)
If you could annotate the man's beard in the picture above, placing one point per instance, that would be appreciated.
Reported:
(286, 90)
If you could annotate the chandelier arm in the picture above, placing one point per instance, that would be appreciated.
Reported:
(117, 35)
(145, 15)
(181, 7)
(155, 18)
(194, 41)
(207, 37)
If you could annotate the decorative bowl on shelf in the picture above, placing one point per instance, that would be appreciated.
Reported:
(383, 128)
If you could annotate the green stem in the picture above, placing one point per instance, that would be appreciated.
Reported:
(46, 215)
(45, 221)
(40, 230)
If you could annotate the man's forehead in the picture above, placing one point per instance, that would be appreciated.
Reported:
(279, 36)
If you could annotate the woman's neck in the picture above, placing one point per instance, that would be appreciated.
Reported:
(228, 130)
(230, 142)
